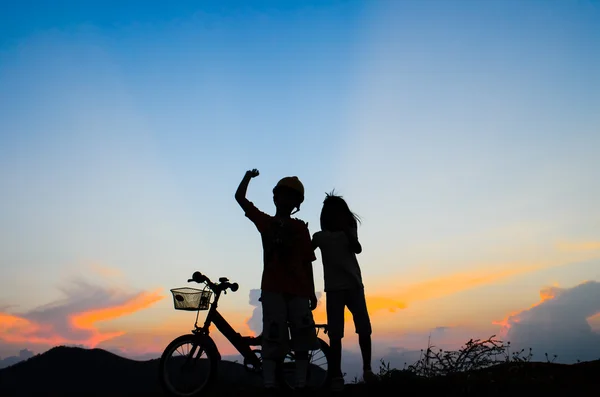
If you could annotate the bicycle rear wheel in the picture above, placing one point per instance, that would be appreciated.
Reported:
(318, 368)
(188, 366)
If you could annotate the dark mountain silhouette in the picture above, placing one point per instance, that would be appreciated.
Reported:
(74, 371)
(69, 371)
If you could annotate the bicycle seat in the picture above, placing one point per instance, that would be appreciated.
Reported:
(223, 280)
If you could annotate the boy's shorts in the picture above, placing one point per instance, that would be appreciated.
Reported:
(277, 310)
(355, 300)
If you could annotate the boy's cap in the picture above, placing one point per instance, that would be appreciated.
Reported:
(293, 183)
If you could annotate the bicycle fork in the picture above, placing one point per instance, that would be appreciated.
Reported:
(192, 359)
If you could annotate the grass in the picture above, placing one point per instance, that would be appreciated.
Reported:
(483, 367)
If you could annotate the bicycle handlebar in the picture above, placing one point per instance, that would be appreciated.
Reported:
(222, 286)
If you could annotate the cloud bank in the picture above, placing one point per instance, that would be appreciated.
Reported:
(558, 324)
(74, 319)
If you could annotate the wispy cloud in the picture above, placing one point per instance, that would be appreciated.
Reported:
(75, 319)
(106, 271)
(578, 246)
(447, 285)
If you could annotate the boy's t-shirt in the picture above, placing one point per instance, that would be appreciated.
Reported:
(287, 253)
(340, 266)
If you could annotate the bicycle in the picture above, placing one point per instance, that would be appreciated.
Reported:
(201, 343)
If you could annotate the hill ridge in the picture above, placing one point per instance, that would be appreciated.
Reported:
(71, 370)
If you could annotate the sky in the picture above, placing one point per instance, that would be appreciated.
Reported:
(465, 134)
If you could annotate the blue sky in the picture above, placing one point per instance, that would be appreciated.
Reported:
(464, 133)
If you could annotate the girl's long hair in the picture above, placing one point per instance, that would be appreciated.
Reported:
(333, 205)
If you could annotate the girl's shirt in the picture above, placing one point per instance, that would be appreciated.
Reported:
(340, 266)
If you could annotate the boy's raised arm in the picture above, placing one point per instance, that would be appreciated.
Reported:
(240, 193)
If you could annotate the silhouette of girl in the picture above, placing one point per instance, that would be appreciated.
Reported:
(339, 245)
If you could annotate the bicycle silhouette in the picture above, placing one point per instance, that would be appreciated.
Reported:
(190, 361)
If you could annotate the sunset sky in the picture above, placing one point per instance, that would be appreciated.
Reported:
(465, 134)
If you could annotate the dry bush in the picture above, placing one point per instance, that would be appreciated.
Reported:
(475, 354)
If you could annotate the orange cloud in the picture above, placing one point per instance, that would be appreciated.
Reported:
(15, 329)
(382, 304)
(377, 303)
(454, 283)
(12, 327)
(88, 320)
(82, 327)
(8, 321)
(141, 301)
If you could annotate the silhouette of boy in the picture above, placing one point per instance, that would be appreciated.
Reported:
(288, 290)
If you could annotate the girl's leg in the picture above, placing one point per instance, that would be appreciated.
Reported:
(335, 356)
(358, 307)
(364, 342)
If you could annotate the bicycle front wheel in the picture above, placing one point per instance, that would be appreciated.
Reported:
(188, 366)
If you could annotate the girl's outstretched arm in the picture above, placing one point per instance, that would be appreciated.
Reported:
(352, 236)
(314, 242)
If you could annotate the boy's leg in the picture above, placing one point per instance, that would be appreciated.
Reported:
(274, 335)
(336, 304)
(301, 368)
(358, 307)
(303, 333)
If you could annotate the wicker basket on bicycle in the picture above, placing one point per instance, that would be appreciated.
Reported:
(191, 299)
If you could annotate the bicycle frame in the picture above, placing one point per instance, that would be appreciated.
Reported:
(240, 342)
(235, 338)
